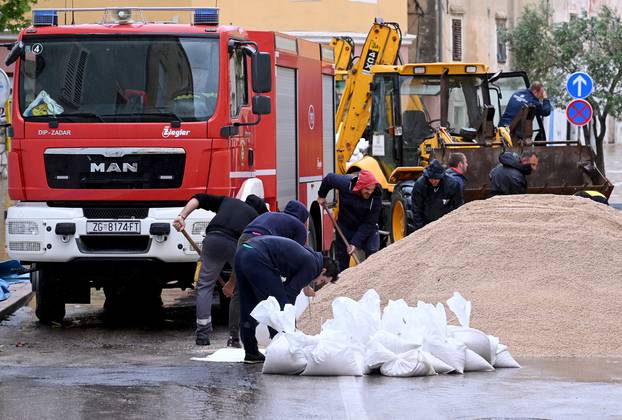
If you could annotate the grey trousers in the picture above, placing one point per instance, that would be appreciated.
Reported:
(234, 304)
(218, 249)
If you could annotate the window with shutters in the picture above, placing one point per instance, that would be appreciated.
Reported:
(502, 54)
(456, 38)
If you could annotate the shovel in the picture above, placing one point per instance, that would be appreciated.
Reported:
(340, 233)
(198, 250)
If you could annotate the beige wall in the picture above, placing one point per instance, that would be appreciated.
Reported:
(479, 28)
(278, 15)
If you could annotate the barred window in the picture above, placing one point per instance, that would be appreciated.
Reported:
(456, 37)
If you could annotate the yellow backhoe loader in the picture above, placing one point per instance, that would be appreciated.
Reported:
(413, 113)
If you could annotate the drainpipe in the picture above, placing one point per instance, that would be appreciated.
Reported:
(439, 31)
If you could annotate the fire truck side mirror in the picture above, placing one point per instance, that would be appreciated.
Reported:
(16, 52)
(261, 105)
(261, 72)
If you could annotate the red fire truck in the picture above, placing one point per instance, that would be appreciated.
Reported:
(116, 125)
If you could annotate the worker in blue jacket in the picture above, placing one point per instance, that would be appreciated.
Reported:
(360, 202)
(535, 95)
(290, 223)
(260, 264)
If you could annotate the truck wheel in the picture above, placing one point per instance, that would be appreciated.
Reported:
(49, 294)
(311, 235)
(400, 213)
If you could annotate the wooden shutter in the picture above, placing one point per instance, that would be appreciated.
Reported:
(456, 38)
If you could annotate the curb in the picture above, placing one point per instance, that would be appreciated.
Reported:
(21, 294)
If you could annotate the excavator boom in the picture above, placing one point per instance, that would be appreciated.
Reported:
(381, 47)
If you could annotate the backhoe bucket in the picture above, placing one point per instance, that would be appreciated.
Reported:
(563, 168)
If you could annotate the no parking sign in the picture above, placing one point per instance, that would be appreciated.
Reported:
(579, 112)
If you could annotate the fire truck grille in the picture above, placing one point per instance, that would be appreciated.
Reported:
(115, 213)
(93, 169)
(92, 244)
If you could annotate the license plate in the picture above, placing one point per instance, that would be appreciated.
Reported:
(113, 226)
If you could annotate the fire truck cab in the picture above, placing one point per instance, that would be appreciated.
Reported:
(115, 125)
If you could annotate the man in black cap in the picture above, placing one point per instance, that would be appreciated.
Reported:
(219, 246)
(434, 195)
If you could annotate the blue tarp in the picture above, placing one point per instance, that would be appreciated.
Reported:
(10, 274)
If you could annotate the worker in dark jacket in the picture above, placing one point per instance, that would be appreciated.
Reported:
(434, 195)
(360, 201)
(290, 223)
(510, 175)
(219, 246)
(457, 166)
(535, 95)
(259, 265)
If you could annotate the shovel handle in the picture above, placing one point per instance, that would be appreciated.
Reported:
(192, 243)
(339, 232)
(198, 250)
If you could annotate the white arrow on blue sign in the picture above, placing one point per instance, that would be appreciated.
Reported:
(579, 85)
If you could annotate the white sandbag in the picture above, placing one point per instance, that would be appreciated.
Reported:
(408, 364)
(283, 358)
(437, 364)
(476, 363)
(494, 344)
(262, 335)
(370, 302)
(394, 316)
(352, 320)
(332, 357)
(474, 339)
(504, 358)
(393, 342)
(301, 304)
(376, 355)
(269, 312)
(434, 318)
(461, 308)
(449, 351)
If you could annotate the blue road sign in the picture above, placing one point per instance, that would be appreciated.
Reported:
(579, 85)
(579, 112)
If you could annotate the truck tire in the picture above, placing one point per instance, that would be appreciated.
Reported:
(312, 235)
(400, 214)
(49, 294)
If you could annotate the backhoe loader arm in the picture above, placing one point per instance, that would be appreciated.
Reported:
(344, 53)
(381, 47)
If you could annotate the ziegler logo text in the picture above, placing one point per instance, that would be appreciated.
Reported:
(177, 132)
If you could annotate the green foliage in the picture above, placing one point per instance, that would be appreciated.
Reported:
(549, 52)
(12, 14)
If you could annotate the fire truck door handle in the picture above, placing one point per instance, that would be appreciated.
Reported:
(251, 157)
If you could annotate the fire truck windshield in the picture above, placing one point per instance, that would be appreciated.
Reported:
(119, 78)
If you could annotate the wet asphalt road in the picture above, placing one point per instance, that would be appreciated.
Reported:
(89, 369)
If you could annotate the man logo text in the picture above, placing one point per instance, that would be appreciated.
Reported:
(114, 167)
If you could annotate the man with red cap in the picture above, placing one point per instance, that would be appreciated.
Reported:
(360, 202)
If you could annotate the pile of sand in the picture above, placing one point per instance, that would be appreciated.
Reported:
(544, 273)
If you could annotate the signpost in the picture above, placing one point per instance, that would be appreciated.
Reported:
(579, 85)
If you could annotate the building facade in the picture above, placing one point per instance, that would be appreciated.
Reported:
(316, 20)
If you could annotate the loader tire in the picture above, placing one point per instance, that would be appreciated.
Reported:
(48, 287)
(400, 214)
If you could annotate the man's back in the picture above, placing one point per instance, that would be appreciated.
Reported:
(508, 177)
(518, 100)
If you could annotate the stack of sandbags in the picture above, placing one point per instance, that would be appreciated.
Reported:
(399, 341)
(542, 270)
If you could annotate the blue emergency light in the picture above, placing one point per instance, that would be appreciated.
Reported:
(44, 18)
(207, 16)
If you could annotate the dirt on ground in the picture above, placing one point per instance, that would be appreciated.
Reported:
(543, 272)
